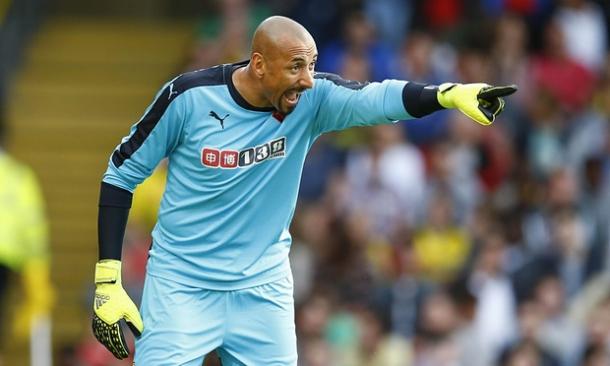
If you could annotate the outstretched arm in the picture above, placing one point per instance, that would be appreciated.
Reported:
(343, 103)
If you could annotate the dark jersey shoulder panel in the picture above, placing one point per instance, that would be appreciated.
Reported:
(204, 77)
(338, 80)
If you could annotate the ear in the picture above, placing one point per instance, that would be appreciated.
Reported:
(257, 63)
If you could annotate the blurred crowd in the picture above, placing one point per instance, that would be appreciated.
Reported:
(437, 241)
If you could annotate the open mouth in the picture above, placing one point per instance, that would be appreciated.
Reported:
(291, 97)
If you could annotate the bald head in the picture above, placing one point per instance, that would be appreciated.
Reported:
(281, 64)
(277, 32)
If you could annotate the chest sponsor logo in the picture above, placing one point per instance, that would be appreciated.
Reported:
(231, 159)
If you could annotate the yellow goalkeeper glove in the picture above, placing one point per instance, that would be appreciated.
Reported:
(111, 305)
(480, 102)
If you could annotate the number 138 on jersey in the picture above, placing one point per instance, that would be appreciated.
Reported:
(230, 159)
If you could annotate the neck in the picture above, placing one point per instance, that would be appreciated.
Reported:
(249, 87)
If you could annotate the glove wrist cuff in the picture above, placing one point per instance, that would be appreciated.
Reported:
(108, 271)
(444, 96)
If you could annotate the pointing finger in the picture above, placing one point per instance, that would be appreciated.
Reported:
(496, 91)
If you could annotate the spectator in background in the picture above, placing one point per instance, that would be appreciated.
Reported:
(438, 321)
(392, 19)
(509, 51)
(407, 288)
(419, 60)
(482, 155)
(312, 246)
(453, 164)
(526, 8)
(558, 191)
(386, 181)
(601, 101)
(441, 245)
(544, 150)
(510, 61)
(324, 161)
(526, 353)
(570, 83)
(531, 318)
(495, 315)
(570, 247)
(225, 35)
(596, 356)
(598, 334)
(557, 333)
(439, 16)
(359, 54)
(312, 318)
(377, 347)
(473, 62)
(586, 135)
(595, 203)
(352, 268)
(323, 25)
(416, 62)
(581, 20)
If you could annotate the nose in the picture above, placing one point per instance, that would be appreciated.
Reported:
(306, 80)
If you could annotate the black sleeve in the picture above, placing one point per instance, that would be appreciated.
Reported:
(420, 99)
(114, 208)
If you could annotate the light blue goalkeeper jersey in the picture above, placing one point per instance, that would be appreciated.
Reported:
(234, 170)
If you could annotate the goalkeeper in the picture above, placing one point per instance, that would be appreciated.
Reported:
(236, 136)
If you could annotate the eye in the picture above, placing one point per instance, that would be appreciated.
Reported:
(312, 66)
(295, 68)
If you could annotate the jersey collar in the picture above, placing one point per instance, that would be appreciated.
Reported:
(228, 72)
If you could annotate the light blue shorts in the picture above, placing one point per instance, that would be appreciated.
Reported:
(253, 326)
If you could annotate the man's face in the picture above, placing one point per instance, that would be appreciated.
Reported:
(289, 72)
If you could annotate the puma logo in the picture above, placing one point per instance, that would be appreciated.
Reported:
(221, 120)
(171, 91)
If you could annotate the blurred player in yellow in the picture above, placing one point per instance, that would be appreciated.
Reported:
(24, 251)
